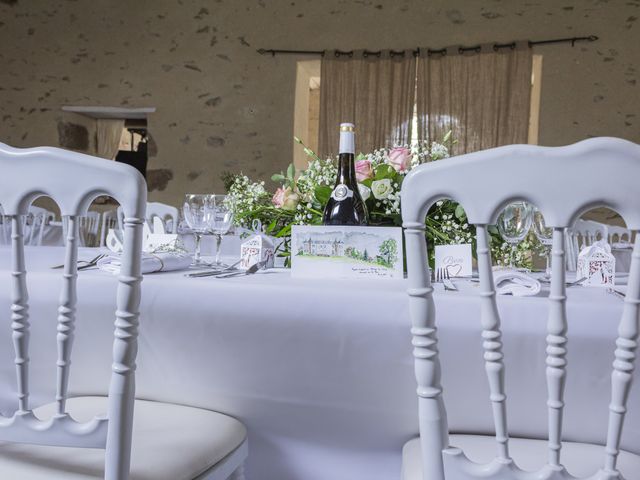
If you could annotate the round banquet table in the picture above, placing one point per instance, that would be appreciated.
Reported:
(320, 371)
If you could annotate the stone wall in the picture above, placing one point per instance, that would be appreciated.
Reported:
(221, 106)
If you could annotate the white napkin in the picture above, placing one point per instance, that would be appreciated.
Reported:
(516, 283)
(151, 262)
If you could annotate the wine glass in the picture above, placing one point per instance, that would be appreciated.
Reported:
(198, 213)
(221, 222)
(513, 224)
(544, 236)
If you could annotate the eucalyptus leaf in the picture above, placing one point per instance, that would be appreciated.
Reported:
(277, 177)
(291, 172)
(460, 214)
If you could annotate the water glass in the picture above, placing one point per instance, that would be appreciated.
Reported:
(222, 222)
(198, 214)
(544, 236)
(513, 224)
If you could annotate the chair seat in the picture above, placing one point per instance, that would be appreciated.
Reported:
(580, 459)
(170, 442)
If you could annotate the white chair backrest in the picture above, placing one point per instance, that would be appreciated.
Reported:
(5, 228)
(166, 213)
(109, 221)
(619, 234)
(563, 182)
(74, 180)
(586, 232)
(36, 222)
(87, 229)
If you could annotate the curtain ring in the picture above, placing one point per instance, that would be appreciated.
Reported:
(512, 46)
(478, 49)
(461, 50)
(365, 54)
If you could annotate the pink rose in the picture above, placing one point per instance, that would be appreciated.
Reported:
(285, 198)
(400, 159)
(363, 170)
(278, 198)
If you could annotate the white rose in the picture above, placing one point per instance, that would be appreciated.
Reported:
(365, 192)
(381, 188)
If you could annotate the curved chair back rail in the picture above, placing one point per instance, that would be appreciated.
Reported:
(164, 212)
(563, 182)
(619, 234)
(74, 180)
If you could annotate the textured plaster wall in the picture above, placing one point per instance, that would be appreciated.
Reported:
(221, 106)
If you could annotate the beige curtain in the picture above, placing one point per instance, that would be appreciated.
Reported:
(375, 92)
(483, 98)
(108, 133)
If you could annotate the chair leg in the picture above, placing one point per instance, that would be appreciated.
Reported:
(238, 474)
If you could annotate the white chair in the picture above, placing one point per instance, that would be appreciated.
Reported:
(166, 213)
(109, 221)
(563, 183)
(5, 228)
(60, 440)
(35, 222)
(582, 234)
(587, 232)
(88, 225)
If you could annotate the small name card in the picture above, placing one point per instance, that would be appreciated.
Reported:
(348, 252)
(456, 259)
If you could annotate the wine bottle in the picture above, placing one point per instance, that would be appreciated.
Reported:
(345, 205)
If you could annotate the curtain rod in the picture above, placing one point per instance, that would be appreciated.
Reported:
(442, 51)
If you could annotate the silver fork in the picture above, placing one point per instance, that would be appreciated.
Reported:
(93, 263)
(441, 275)
(615, 292)
(211, 273)
(250, 271)
(83, 262)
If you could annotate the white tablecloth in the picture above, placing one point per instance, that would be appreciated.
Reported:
(320, 371)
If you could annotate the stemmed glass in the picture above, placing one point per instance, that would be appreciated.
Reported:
(221, 223)
(513, 224)
(544, 236)
(198, 213)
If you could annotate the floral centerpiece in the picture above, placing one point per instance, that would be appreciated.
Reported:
(302, 195)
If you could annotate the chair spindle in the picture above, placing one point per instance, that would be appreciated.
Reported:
(556, 346)
(623, 365)
(432, 415)
(492, 344)
(20, 312)
(67, 314)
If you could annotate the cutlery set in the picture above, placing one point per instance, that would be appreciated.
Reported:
(229, 271)
(85, 264)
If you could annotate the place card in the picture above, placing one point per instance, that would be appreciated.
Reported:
(347, 252)
(456, 259)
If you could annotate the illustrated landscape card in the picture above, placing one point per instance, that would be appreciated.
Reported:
(369, 252)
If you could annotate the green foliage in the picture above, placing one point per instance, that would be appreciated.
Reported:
(228, 178)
